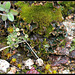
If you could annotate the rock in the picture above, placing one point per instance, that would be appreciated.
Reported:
(69, 38)
(66, 72)
(69, 26)
(39, 62)
(12, 70)
(4, 65)
(63, 60)
(68, 44)
(54, 58)
(69, 41)
(62, 51)
(28, 63)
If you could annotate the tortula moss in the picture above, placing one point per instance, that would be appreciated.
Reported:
(43, 15)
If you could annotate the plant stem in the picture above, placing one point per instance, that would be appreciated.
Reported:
(3, 14)
(4, 48)
(18, 43)
(10, 46)
(32, 49)
(5, 21)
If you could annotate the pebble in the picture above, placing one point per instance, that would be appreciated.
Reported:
(12, 70)
(4, 65)
(66, 72)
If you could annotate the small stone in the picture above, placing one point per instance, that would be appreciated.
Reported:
(69, 17)
(63, 18)
(28, 63)
(39, 62)
(3, 65)
(66, 72)
(12, 70)
(55, 51)
(18, 54)
(66, 18)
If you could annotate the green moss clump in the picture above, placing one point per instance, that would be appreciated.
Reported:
(43, 15)
(19, 3)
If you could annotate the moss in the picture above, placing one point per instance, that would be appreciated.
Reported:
(72, 45)
(19, 3)
(67, 5)
(42, 27)
(62, 43)
(43, 15)
(10, 29)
